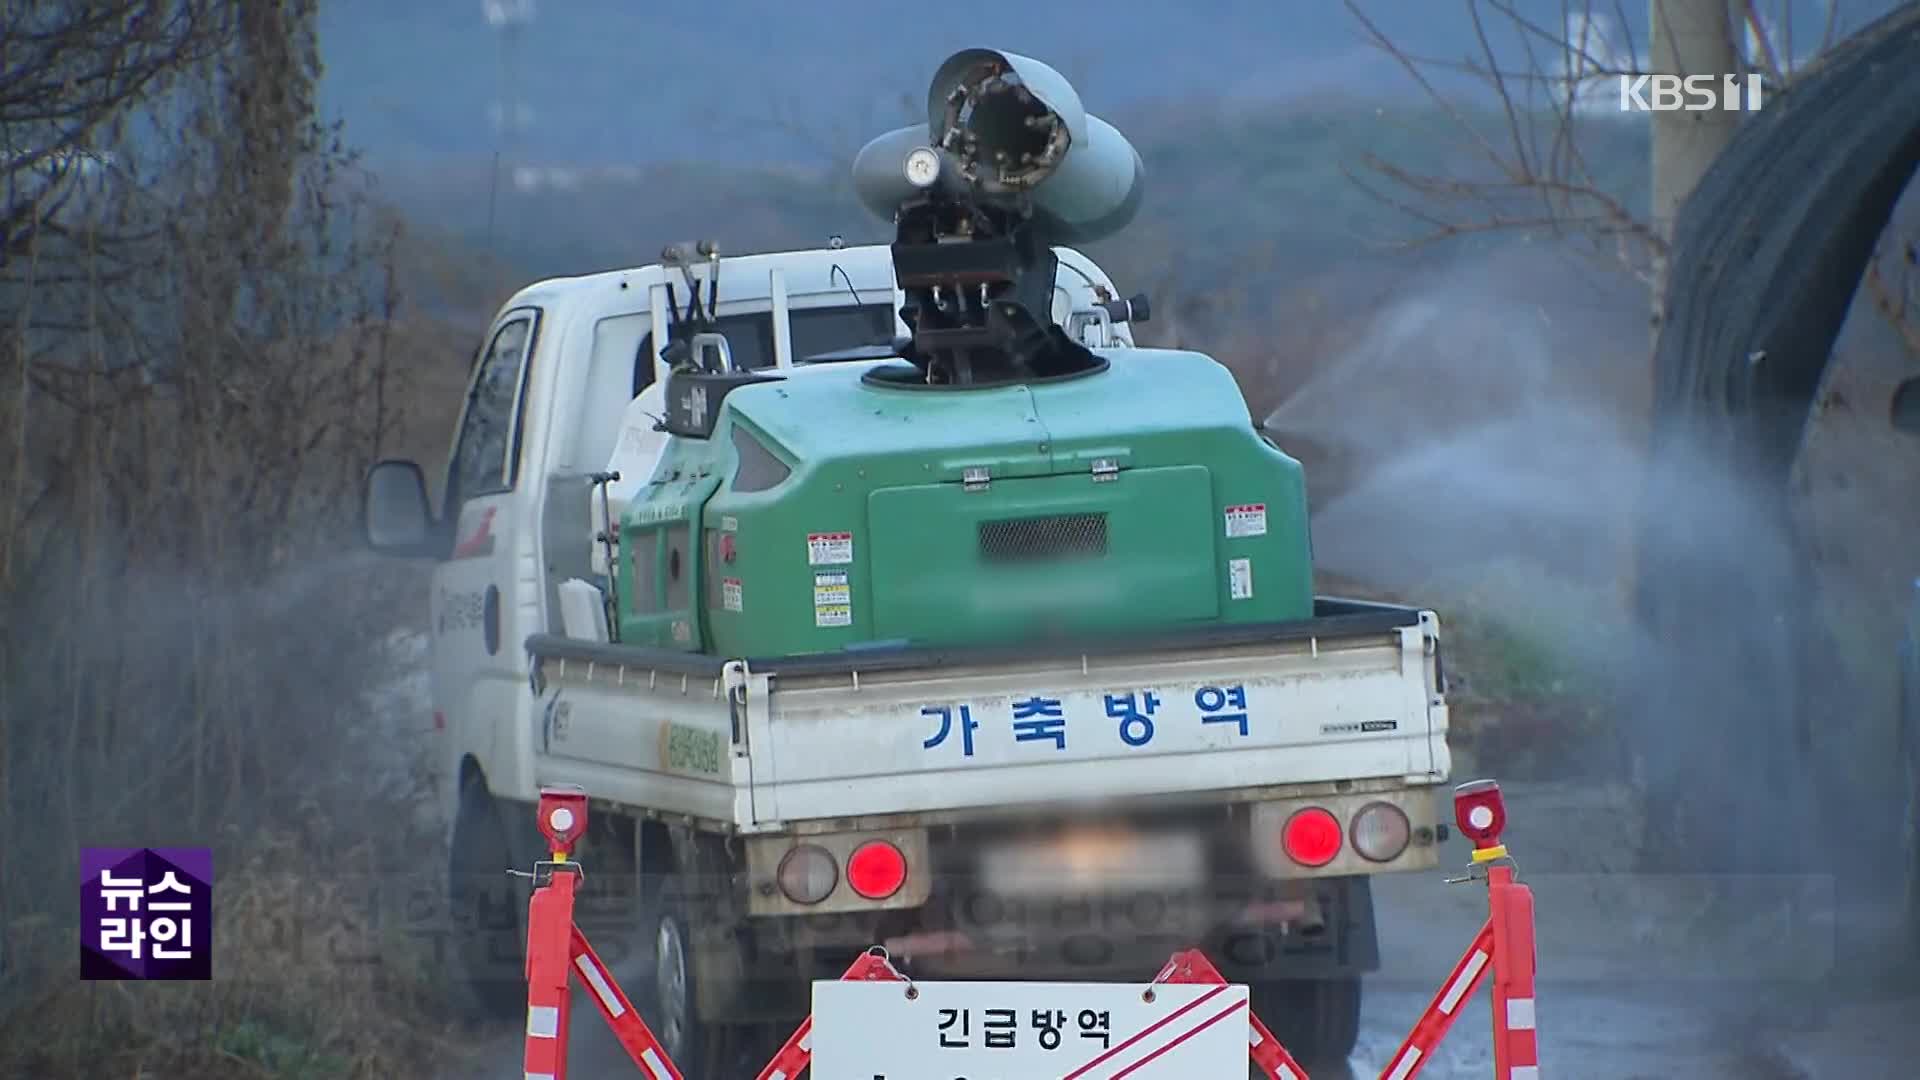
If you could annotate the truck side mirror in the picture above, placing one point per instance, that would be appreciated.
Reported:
(395, 514)
(1905, 410)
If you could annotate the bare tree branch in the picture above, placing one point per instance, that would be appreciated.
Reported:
(189, 337)
(1538, 159)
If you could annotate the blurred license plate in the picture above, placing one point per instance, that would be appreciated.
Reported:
(1095, 860)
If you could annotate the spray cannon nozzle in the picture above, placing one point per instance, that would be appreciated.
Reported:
(1008, 165)
(1008, 122)
(1006, 130)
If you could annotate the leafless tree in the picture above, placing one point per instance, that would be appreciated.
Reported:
(1547, 91)
(1547, 94)
(1533, 140)
(195, 308)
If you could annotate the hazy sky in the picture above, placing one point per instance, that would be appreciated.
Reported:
(628, 81)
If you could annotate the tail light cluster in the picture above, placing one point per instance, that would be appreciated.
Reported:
(875, 870)
(1313, 837)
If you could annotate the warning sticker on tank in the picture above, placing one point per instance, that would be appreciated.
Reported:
(832, 600)
(730, 593)
(1249, 520)
(830, 549)
(830, 589)
(1240, 578)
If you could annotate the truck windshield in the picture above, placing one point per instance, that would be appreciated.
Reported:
(813, 330)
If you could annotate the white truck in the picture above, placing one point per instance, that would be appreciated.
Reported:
(765, 818)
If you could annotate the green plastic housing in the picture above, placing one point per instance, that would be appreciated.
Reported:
(827, 512)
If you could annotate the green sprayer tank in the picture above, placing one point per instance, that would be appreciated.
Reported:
(989, 480)
(831, 510)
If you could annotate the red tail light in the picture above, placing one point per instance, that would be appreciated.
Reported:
(876, 870)
(1311, 837)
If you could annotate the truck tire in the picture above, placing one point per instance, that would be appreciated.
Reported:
(488, 907)
(703, 1048)
(669, 1002)
(1317, 1020)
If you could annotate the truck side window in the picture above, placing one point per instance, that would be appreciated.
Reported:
(829, 329)
(643, 365)
(749, 337)
(486, 460)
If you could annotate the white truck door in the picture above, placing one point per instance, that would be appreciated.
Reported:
(479, 663)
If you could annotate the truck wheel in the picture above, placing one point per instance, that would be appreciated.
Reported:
(488, 907)
(670, 1004)
(1317, 1020)
(669, 1001)
(674, 1001)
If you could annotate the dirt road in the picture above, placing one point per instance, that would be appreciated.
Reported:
(1641, 978)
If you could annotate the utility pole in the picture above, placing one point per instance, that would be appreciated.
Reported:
(1688, 37)
(510, 114)
(1685, 37)
(509, 18)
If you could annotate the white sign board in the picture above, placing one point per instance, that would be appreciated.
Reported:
(1027, 1031)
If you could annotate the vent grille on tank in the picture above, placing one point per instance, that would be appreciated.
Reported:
(1044, 539)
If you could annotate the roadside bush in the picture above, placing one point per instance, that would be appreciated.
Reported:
(195, 370)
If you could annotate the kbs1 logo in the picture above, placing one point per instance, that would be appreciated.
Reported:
(1691, 93)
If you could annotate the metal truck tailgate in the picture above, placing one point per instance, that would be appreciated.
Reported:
(1208, 718)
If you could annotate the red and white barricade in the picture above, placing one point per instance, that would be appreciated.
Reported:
(797, 1052)
(1192, 966)
(1504, 948)
(556, 949)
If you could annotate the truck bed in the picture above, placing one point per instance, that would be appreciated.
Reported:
(1352, 693)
